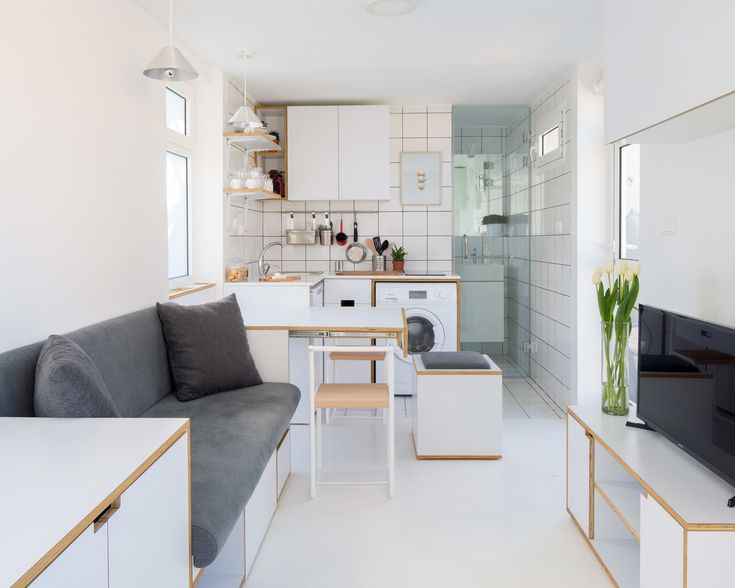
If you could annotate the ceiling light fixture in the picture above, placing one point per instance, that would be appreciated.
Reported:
(170, 64)
(390, 7)
(245, 118)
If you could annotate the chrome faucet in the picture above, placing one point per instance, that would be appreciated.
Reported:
(264, 267)
(465, 246)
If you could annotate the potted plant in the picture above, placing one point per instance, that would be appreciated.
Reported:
(616, 297)
(398, 254)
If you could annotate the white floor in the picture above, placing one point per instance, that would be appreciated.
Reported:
(462, 524)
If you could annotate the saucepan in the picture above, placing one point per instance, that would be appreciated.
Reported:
(356, 251)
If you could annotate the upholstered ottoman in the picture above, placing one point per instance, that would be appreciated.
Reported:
(458, 408)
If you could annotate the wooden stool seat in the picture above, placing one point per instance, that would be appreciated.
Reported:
(366, 356)
(352, 396)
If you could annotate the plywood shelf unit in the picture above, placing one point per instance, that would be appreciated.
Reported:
(276, 119)
(252, 194)
(252, 142)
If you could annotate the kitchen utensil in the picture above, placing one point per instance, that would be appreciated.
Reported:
(378, 263)
(325, 236)
(301, 236)
(313, 221)
(341, 237)
(356, 251)
(371, 246)
(376, 245)
(383, 247)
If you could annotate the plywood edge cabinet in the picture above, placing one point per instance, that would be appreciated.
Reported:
(652, 515)
(339, 152)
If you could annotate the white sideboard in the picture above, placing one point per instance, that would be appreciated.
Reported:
(653, 515)
(95, 502)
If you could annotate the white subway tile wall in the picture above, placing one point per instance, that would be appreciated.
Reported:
(425, 231)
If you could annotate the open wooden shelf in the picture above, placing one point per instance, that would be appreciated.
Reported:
(252, 142)
(253, 194)
(624, 498)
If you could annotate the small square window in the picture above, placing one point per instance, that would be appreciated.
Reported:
(550, 141)
(175, 112)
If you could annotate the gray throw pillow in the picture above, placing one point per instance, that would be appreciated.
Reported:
(68, 384)
(207, 347)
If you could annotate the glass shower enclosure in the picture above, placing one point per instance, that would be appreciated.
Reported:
(491, 198)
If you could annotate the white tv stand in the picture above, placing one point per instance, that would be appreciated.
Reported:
(653, 515)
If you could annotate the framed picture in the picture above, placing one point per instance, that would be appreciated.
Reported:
(421, 178)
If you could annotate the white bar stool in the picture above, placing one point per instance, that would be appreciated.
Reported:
(346, 395)
(337, 356)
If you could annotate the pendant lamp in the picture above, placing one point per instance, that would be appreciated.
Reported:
(245, 119)
(170, 65)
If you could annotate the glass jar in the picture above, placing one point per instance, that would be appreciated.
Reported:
(236, 271)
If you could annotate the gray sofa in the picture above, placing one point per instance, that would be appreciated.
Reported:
(233, 434)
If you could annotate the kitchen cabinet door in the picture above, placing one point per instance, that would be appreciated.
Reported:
(697, 55)
(364, 153)
(662, 547)
(313, 152)
(148, 536)
(632, 99)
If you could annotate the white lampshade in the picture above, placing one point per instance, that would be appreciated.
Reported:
(170, 64)
(245, 119)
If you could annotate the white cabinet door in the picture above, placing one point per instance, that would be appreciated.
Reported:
(631, 66)
(149, 535)
(269, 349)
(259, 512)
(662, 547)
(313, 153)
(82, 565)
(706, 552)
(364, 153)
(697, 55)
(578, 473)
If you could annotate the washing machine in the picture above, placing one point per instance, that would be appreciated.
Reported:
(431, 313)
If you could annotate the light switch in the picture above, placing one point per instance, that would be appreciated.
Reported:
(667, 226)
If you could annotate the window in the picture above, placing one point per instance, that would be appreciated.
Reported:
(629, 201)
(177, 197)
(175, 112)
(548, 145)
(178, 184)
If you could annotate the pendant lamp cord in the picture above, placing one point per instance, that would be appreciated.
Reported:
(170, 22)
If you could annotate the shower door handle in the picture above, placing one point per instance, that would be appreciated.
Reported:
(466, 246)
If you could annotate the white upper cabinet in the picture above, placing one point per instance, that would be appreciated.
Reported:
(313, 153)
(338, 152)
(364, 152)
(663, 58)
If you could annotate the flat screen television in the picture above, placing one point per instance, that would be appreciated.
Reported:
(686, 385)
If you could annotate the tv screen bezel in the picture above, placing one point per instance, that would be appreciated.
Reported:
(730, 479)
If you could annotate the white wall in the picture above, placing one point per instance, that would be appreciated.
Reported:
(690, 184)
(592, 219)
(82, 185)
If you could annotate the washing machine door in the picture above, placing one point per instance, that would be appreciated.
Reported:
(425, 333)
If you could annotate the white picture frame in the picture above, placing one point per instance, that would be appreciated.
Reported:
(421, 178)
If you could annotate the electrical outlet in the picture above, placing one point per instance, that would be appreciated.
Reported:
(530, 346)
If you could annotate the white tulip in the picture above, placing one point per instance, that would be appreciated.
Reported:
(628, 274)
(620, 267)
(596, 279)
(635, 268)
(608, 267)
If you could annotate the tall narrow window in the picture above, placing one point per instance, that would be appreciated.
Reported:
(177, 197)
(175, 112)
(629, 204)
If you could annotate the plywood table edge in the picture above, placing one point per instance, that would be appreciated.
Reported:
(49, 557)
(665, 505)
(460, 457)
(459, 373)
(179, 292)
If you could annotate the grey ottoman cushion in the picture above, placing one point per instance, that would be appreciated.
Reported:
(454, 360)
(208, 348)
(233, 435)
(68, 384)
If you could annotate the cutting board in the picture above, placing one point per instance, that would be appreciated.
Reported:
(368, 273)
(282, 279)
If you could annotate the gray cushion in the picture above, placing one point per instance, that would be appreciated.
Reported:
(233, 435)
(68, 384)
(129, 351)
(454, 360)
(207, 348)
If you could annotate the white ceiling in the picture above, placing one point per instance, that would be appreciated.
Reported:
(446, 51)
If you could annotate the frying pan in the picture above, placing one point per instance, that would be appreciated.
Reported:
(341, 237)
(356, 251)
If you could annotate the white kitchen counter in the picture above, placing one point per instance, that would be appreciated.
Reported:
(59, 473)
(310, 281)
(363, 319)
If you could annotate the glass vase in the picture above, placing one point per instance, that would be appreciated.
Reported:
(614, 375)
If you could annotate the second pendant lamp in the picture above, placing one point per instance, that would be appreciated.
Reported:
(245, 120)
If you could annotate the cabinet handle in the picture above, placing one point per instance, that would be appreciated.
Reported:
(106, 514)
